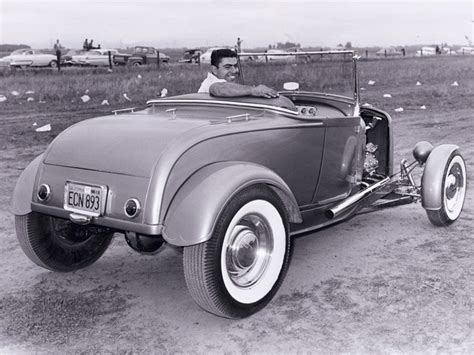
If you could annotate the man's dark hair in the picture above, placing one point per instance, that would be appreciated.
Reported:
(218, 54)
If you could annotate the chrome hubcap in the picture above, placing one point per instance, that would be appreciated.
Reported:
(454, 186)
(249, 250)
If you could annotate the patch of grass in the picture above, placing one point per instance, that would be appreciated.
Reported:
(49, 315)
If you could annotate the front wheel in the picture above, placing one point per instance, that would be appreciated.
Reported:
(453, 192)
(53, 64)
(238, 271)
(58, 244)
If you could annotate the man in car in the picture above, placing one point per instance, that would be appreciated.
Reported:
(220, 80)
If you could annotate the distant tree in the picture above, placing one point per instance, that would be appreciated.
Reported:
(12, 47)
(348, 45)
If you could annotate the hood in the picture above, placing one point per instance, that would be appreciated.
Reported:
(127, 144)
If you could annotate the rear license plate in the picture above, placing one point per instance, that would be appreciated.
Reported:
(86, 199)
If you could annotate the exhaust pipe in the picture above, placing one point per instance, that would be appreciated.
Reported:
(354, 199)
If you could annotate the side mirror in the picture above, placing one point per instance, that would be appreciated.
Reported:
(291, 86)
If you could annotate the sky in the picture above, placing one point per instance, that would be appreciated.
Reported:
(205, 23)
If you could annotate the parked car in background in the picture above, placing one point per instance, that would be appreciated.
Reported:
(26, 57)
(190, 56)
(426, 51)
(141, 56)
(389, 52)
(66, 59)
(229, 180)
(465, 50)
(94, 57)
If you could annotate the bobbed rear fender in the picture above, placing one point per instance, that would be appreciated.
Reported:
(20, 203)
(195, 208)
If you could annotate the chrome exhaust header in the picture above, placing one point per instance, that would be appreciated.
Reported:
(354, 199)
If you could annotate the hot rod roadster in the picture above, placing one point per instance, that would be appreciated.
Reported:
(230, 181)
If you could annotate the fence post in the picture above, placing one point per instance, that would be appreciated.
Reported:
(367, 53)
(385, 51)
(158, 59)
(110, 60)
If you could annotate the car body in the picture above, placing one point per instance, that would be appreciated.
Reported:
(67, 59)
(229, 180)
(465, 50)
(426, 51)
(191, 56)
(141, 55)
(93, 57)
(26, 57)
(389, 52)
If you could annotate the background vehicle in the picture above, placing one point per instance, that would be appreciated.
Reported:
(190, 56)
(141, 56)
(94, 57)
(24, 58)
(293, 164)
(389, 52)
(66, 59)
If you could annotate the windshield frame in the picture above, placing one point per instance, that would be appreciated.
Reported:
(355, 77)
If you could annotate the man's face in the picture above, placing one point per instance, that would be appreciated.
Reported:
(227, 69)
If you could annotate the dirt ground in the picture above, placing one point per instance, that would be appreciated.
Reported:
(382, 282)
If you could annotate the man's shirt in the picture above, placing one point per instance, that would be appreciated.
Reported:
(206, 84)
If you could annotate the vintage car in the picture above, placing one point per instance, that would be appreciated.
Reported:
(94, 57)
(191, 56)
(141, 56)
(228, 180)
(26, 57)
(389, 52)
(67, 58)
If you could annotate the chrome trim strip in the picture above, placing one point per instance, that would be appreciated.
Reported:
(289, 54)
(224, 103)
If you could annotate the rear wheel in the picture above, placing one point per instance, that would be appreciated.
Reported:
(453, 192)
(58, 244)
(239, 270)
(53, 64)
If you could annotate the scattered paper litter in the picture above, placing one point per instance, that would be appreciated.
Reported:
(30, 99)
(42, 102)
(45, 128)
(15, 93)
(455, 84)
(3, 98)
(126, 97)
(85, 98)
(35, 124)
(105, 102)
(371, 82)
(362, 89)
(87, 91)
(139, 76)
(109, 70)
(423, 107)
(29, 92)
(387, 95)
(418, 83)
(400, 109)
(164, 92)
